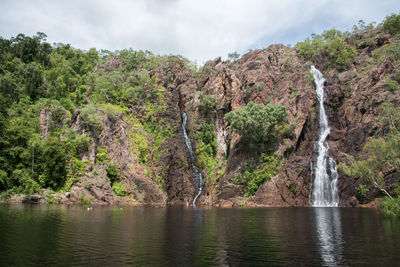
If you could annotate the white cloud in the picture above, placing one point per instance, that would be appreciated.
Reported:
(198, 29)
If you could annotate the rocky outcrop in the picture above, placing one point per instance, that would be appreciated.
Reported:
(279, 75)
(276, 74)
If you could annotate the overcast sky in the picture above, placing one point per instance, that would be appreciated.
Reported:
(197, 29)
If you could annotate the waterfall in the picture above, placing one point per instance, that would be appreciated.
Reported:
(197, 176)
(324, 188)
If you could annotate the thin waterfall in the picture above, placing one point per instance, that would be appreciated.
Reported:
(324, 188)
(197, 176)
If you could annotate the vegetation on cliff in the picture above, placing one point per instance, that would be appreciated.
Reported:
(69, 116)
(43, 88)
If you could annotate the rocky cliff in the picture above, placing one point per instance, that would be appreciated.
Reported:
(141, 145)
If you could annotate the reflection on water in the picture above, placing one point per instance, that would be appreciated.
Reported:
(329, 233)
(177, 236)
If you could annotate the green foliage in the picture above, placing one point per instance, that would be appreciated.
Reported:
(249, 90)
(254, 177)
(80, 143)
(113, 112)
(207, 135)
(397, 77)
(88, 186)
(391, 85)
(392, 24)
(102, 155)
(257, 123)
(27, 184)
(292, 187)
(362, 27)
(259, 86)
(113, 173)
(86, 201)
(382, 152)
(362, 191)
(208, 107)
(119, 189)
(55, 163)
(235, 180)
(233, 56)
(391, 207)
(392, 51)
(91, 119)
(140, 146)
(331, 46)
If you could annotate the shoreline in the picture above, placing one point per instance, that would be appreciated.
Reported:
(124, 201)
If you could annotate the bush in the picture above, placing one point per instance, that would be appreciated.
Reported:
(102, 155)
(392, 85)
(27, 185)
(208, 137)
(397, 77)
(391, 207)
(392, 24)
(257, 123)
(253, 178)
(80, 143)
(86, 201)
(362, 191)
(119, 189)
(208, 107)
(112, 172)
(91, 119)
(140, 146)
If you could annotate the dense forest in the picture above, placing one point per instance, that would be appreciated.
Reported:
(71, 118)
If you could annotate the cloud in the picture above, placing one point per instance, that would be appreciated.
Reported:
(198, 29)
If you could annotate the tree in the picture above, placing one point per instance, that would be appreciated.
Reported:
(257, 123)
(392, 24)
(55, 164)
(233, 56)
(331, 46)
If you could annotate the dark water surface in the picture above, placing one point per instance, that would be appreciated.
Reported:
(40, 235)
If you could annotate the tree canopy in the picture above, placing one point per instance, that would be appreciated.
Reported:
(257, 123)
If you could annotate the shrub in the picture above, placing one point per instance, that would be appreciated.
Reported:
(392, 85)
(102, 155)
(392, 24)
(91, 119)
(140, 146)
(208, 137)
(253, 178)
(119, 189)
(391, 207)
(208, 106)
(362, 191)
(397, 77)
(393, 51)
(112, 172)
(86, 201)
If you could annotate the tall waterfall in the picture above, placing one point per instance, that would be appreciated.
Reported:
(324, 188)
(197, 176)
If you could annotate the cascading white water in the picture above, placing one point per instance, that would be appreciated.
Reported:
(324, 188)
(198, 177)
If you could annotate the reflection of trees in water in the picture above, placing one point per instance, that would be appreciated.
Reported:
(180, 236)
